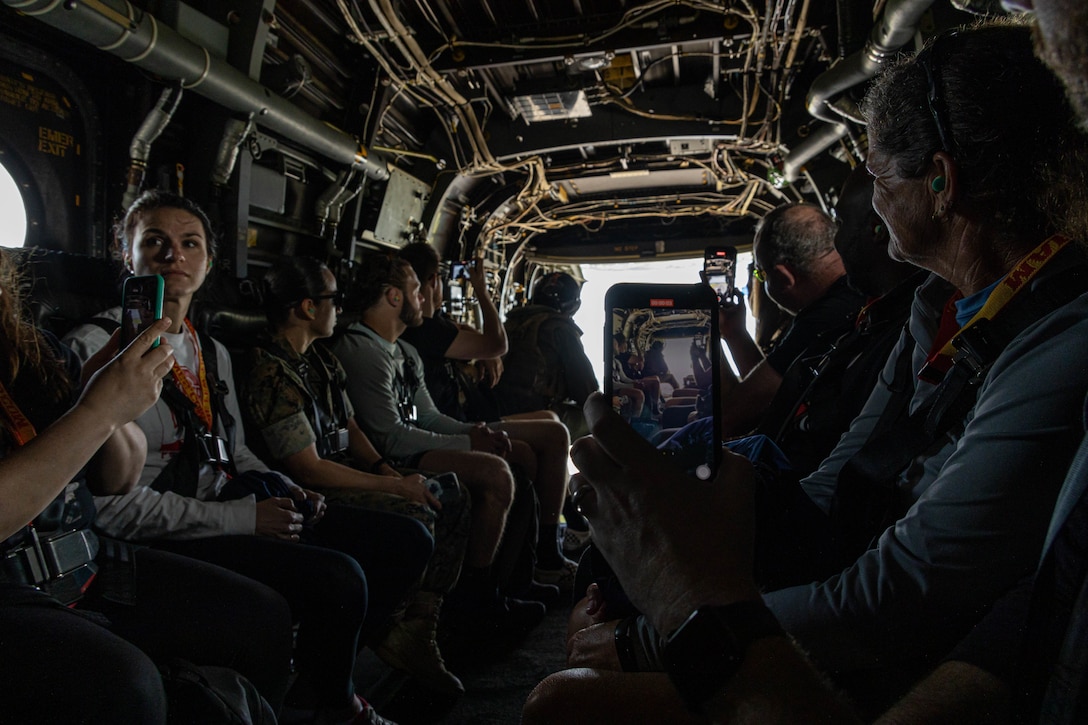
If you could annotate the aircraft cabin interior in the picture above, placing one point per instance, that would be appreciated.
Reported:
(534, 135)
(528, 137)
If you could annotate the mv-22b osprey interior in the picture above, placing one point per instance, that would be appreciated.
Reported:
(533, 134)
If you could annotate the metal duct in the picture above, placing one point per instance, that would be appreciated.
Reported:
(330, 205)
(893, 29)
(130, 34)
(140, 149)
(156, 122)
(226, 156)
(821, 138)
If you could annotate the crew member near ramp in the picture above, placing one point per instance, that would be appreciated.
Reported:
(547, 364)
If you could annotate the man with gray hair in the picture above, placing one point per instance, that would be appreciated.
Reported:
(795, 259)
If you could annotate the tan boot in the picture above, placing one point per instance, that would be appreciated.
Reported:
(411, 647)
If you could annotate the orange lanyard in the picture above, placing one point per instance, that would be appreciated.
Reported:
(202, 401)
(1010, 286)
(23, 429)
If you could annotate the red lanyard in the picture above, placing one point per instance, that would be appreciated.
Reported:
(202, 401)
(23, 429)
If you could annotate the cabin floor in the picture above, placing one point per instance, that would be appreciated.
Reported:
(496, 682)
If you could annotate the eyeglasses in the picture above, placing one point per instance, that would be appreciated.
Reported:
(759, 275)
(336, 297)
(930, 60)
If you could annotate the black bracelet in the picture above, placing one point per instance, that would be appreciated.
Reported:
(378, 464)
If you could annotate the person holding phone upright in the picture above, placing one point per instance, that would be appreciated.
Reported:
(196, 444)
(961, 195)
(794, 250)
(539, 442)
(52, 609)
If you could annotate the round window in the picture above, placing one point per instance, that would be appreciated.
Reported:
(12, 212)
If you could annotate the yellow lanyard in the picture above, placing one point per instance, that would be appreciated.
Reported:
(1012, 284)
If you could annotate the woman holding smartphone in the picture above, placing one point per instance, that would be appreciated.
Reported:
(196, 443)
(47, 638)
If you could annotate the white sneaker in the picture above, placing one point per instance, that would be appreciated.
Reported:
(563, 577)
(575, 541)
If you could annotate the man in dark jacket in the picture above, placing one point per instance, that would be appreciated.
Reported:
(547, 366)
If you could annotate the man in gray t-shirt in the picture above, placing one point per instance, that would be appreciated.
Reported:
(393, 407)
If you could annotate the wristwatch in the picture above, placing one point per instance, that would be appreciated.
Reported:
(704, 653)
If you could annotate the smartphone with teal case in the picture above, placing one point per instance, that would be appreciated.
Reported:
(141, 306)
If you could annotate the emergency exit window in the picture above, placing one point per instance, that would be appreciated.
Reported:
(12, 211)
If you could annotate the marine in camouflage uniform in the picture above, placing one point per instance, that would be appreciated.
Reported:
(297, 400)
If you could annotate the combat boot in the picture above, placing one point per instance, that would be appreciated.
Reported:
(411, 646)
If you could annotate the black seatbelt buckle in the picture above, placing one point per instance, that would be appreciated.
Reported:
(336, 441)
(66, 551)
(213, 449)
(974, 348)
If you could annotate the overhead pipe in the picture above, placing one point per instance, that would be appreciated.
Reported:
(139, 151)
(133, 35)
(822, 137)
(226, 156)
(892, 30)
(330, 205)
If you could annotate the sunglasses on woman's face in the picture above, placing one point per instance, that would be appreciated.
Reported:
(336, 297)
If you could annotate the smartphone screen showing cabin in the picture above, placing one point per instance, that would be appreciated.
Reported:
(663, 376)
(138, 315)
(720, 275)
(140, 307)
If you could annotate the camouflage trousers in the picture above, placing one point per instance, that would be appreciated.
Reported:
(450, 528)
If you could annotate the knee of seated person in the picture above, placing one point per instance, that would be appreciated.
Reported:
(493, 482)
(559, 697)
(549, 415)
(135, 691)
(343, 577)
(547, 703)
(557, 435)
(266, 612)
(536, 415)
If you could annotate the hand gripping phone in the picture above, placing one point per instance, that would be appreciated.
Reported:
(459, 270)
(650, 328)
(720, 270)
(141, 306)
(443, 486)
